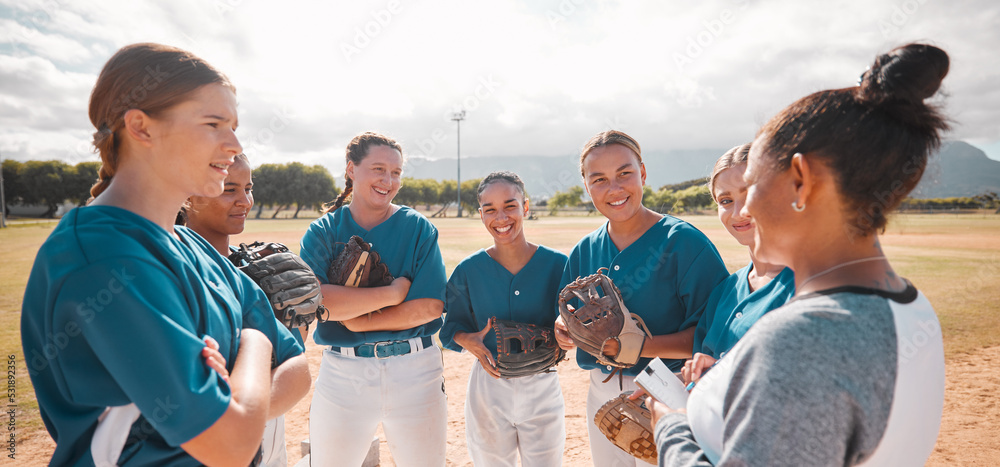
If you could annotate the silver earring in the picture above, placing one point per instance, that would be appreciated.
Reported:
(798, 208)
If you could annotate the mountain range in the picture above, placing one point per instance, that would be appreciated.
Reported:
(958, 169)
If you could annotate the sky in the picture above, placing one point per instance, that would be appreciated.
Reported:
(535, 77)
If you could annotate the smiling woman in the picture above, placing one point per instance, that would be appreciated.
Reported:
(384, 329)
(155, 316)
(664, 267)
(216, 218)
(516, 281)
(749, 293)
(850, 371)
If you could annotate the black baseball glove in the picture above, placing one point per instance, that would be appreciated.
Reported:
(289, 283)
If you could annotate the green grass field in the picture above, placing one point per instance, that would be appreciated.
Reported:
(953, 259)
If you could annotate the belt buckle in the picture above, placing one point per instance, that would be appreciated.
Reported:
(375, 350)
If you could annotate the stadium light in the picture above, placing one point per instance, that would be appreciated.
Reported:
(457, 117)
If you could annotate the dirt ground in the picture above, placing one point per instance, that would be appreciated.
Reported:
(969, 430)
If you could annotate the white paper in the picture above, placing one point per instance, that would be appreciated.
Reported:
(662, 384)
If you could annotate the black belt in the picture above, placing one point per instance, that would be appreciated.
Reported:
(385, 349)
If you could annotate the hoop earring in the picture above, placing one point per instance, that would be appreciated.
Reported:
(797, 208)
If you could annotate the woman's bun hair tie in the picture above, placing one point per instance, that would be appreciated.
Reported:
(911, 73)
(101, 135)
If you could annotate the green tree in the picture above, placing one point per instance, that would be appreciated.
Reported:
(662, 201)
(430, 192)
(989, 200)
(694, 198)
(470, 197)
(265, 186)
(409, 192)
(315, 187)
(80, 179)
(571, 198)
(294, 175)
(13, 190)
(45, 182)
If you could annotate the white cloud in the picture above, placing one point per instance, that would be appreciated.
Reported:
(310, 76)
(37, 95)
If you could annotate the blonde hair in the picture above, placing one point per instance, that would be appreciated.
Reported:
(732, 158)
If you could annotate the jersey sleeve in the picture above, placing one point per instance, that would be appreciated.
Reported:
(142, 330)
(429, 278)
(706, 321)
(258, 314)
(554, 282)
(675, 441)
(458, 310)
(696, 279)
(316, 250)
(255, 306)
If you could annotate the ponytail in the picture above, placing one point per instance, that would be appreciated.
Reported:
(335, 205)
(104, 143)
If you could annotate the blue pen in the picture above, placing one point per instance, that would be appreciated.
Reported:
(690, 385)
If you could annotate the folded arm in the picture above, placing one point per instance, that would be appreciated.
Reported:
(345, 303)
(235, 437)
(406, 315)
(290, 382)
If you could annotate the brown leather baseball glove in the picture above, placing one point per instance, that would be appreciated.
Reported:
(358, 265)
(525, 349)
(601, 317)
(628, 424)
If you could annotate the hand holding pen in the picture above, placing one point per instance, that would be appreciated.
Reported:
(695, 367)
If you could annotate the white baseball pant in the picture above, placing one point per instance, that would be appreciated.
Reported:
(273, 446)
(354, 394)
(506, 416)
(602, 451)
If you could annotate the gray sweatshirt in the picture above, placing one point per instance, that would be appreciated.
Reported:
(814, 383)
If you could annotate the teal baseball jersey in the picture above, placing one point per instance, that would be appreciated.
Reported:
(407, 244)
(732, 309)
(665, 277)
(480, 288)
(115, 313)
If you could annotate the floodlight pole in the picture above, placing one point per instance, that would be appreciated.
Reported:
(457, 117)
(3, 202)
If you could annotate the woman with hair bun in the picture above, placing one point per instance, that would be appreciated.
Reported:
(381, 364)
(851, 371)
(123, 309)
